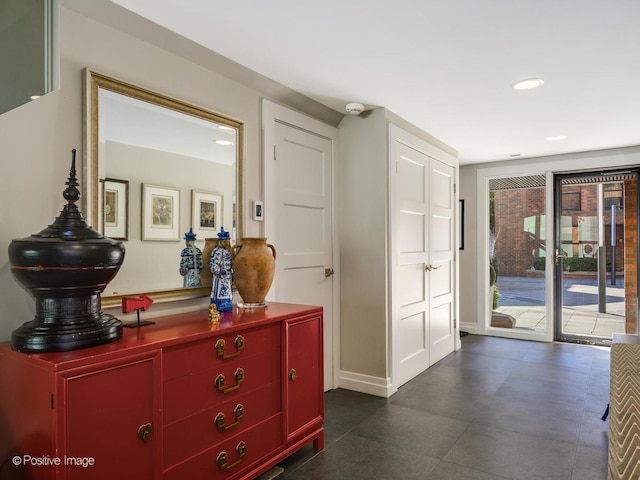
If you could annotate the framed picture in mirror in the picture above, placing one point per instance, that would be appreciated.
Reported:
(206, 214)
(160, 213)
(115, 208)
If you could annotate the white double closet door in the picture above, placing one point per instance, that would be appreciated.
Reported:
(422, 247)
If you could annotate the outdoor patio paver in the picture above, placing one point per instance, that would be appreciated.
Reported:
(523, 299)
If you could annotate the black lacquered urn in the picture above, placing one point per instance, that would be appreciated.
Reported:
(66, 267)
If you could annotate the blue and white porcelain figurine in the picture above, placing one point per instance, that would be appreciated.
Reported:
(222, 273)
(191, 263)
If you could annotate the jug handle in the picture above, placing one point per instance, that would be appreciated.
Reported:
(273, 249)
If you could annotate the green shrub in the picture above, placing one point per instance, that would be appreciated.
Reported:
(539, 263)
(573, 264)
(580, 264)
(496, 295)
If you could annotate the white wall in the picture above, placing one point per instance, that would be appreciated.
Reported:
(36, 139)
(474, 257)
(363, 244)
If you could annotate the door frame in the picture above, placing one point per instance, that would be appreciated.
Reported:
(272, 113)
(484, 325)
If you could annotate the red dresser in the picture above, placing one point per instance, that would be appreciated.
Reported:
(174, 400)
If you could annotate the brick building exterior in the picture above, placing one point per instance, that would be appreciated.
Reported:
(519, 223)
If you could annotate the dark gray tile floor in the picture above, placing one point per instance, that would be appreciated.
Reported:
(498, 409)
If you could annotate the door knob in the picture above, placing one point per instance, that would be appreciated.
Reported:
(428, 268)
(144, 432)
(328, 272)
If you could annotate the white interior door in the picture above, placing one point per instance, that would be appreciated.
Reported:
(411, 333)
(422, 256)
(442, 256)
(299, 214)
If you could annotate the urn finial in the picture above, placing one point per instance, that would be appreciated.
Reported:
(71, 194)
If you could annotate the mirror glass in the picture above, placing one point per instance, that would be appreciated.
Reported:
(157, 167)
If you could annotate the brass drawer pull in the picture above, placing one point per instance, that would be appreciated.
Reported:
(241, 450)
(220, 381)
(239, 342)
(238, 412)
(144, 432)
(292, 374)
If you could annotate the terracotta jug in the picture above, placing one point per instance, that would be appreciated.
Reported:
(254, 263)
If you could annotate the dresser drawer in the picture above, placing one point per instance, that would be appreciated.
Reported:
(187, 437)
(235, 454)
(187, 395)
(192, 357)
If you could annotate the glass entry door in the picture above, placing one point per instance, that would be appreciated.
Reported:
(595, 256)
(518, 249)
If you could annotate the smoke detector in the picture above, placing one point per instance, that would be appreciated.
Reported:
(355, 108)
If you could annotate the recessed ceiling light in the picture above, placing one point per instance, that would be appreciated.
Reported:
(527, 84)
(556, 138)
(224, 142)
(226, 128)
(33, 97)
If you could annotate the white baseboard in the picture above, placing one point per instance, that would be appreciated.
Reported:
(380, 387)
(469, 327)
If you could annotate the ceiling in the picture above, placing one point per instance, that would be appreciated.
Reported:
(447, 66)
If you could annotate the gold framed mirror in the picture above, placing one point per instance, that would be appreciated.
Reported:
(140, 143)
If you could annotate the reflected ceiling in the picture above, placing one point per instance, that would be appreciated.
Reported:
(142, 124)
